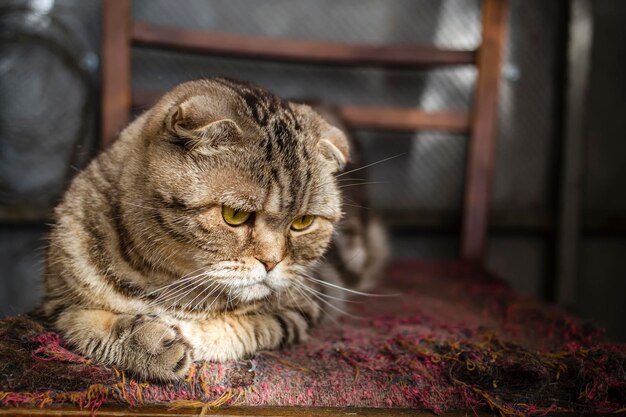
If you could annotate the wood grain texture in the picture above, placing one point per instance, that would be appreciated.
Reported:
(312, 52)
(115, 68)
(401, 119)
(480, 164)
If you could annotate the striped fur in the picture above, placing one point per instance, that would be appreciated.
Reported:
(142, 271)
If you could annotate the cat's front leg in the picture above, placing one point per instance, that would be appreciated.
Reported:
(146, 346)
(237, 336)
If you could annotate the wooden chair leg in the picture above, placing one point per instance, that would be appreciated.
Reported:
(480, 164)
(116, 28)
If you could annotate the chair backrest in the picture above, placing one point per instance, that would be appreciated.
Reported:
(120, 33)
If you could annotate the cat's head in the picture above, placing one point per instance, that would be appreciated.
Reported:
(243, 183)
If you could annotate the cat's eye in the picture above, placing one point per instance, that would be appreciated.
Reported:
(302, 222)
(235, 217)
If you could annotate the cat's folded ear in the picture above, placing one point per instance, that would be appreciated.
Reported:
(200, 127)
(334, 146)
(331, 142)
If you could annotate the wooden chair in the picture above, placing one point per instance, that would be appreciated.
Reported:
(121, 33)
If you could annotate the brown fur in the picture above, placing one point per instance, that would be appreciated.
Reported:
(142, 271)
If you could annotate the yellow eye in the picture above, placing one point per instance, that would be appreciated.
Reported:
(235, 217)
(302, 222)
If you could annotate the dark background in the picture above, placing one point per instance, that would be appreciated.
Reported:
(49, 109)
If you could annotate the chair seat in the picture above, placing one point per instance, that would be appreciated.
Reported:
(455, 338)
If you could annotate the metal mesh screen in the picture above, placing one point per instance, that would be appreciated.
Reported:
(448, 23)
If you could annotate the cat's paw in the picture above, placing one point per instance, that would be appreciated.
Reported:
(156, 350)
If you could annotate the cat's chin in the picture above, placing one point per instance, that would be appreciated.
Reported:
(252, 292)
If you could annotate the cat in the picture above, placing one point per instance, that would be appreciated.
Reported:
(200, 234)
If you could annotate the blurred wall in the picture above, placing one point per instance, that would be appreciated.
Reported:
(424, 183)
(602, 274)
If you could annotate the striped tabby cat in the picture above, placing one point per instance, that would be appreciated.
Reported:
(199, 234)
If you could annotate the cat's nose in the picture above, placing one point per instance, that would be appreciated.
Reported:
(269, 265)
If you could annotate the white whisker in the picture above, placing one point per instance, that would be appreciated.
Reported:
(366, 294)
(351, 179)
(333, 297)
(369, 165)
(208, 287)
(298, 287)
(171, 293)
(365, 183)
(177, 282)
(329, 304)
(218, 286)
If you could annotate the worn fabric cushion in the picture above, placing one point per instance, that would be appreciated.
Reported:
(455, 338)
